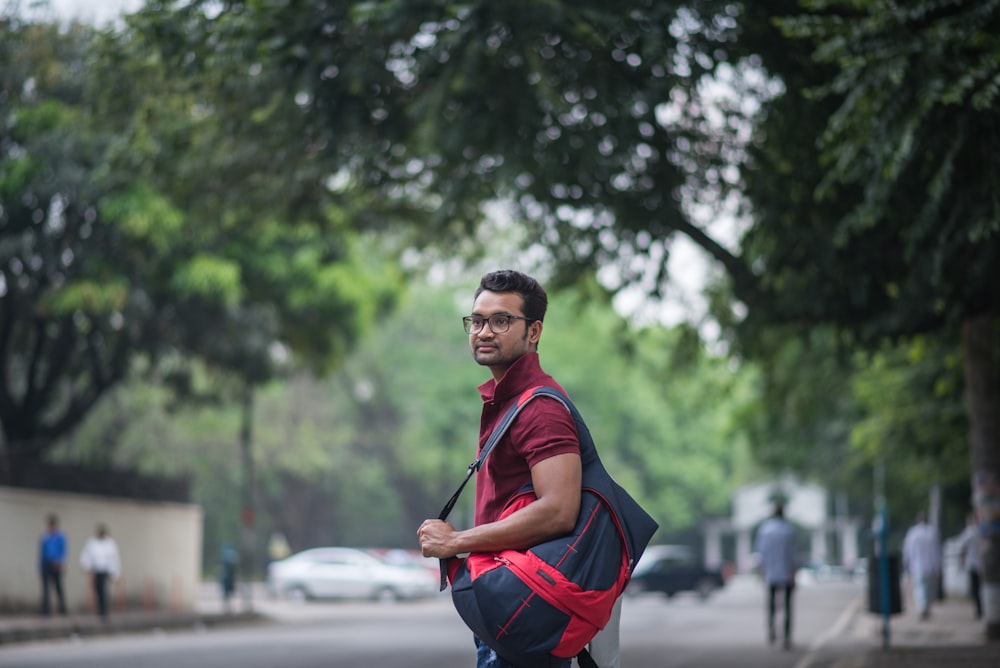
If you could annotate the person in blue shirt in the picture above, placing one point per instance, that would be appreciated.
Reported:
(51, 561)
(776, 550)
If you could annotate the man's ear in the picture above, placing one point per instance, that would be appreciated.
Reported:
(535, 331)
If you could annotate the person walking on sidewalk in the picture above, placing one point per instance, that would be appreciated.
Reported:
(922, 561)
(51, 563)
(775, 546)
(969, 552)
(100, 559)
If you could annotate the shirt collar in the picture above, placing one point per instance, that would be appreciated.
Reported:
(517, 376)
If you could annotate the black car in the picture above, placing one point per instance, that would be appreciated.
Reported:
(674, 568)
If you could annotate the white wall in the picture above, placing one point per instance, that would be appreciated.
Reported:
(806, 504)
(159, 542)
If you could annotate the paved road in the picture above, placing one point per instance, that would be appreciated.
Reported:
(727, 630)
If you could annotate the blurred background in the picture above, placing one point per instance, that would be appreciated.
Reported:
(237, 239)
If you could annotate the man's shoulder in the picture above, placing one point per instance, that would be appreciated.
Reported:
(545, 412)
(770, 526)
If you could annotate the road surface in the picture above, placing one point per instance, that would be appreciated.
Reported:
(726, 630)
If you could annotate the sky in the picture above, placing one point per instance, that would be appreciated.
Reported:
(97, 12)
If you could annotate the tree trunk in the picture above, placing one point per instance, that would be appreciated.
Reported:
(982, 396)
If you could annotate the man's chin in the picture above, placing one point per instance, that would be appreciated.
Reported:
(486, 359)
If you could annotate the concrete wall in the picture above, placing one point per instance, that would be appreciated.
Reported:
(160, 546)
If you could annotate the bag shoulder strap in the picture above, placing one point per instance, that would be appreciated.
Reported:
(498, 431)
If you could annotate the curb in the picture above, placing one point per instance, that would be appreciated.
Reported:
(28, 630)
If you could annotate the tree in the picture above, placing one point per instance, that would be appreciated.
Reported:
(887, 228)
(596, 125)
(64, 317)
(138, 225)
(836, 415)
(895, 224)
(364, 455)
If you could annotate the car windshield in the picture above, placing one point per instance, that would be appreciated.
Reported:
(404, 558)
(662, 554)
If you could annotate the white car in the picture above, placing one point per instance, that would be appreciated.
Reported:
(345, 572)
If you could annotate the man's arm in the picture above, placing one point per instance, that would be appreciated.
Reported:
(557, 482)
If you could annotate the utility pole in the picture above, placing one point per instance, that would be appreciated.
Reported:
(249, 543)
(881, 548)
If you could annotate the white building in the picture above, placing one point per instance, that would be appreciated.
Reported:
(806, 506)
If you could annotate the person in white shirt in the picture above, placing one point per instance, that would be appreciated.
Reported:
(776, 550)
(100, 559)
(922, 561)
(969, 550)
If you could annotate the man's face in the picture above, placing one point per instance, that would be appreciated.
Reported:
(499, 351)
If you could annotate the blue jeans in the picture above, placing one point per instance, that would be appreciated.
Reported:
(487, 658)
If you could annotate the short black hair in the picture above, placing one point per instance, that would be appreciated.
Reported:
(533, 296)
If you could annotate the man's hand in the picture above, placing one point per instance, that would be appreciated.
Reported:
(436, 539)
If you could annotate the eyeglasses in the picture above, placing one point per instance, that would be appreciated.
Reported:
(499, 322)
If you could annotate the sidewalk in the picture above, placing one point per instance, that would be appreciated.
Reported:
(28, 628)
(951, 638)
(208, 613)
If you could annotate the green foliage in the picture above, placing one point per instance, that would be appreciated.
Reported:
(665, 426)
(912, 397)
(613, 140)
(871, 181)
(142, 217)
(898, 218)
(362, 457)
(835, 416)
(215, 183)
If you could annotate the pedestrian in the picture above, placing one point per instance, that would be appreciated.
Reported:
(776, 549)
(968, 542)
(51, 563)
(227, 576)
(541, 447)
(101, 560)
(922, 562)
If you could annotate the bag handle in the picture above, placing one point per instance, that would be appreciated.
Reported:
(498, 431)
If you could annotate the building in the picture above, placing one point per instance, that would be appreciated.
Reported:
(833, 537)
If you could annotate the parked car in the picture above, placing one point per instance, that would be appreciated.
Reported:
(344, 572)
(817, 570)
(670, 569)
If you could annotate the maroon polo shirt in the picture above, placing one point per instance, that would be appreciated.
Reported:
(543, 429)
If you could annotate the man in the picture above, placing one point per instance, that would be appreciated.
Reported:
(100, 559)
(51, 560)
(922, 560)
(969, 553)
(541, 446)
(776, 549)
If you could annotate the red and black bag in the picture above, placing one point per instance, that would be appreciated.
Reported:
(552, 599)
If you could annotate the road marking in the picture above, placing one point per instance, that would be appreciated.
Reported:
(832, 632)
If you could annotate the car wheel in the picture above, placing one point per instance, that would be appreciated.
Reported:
(704, 588)
(297, 594)
(386, 595)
